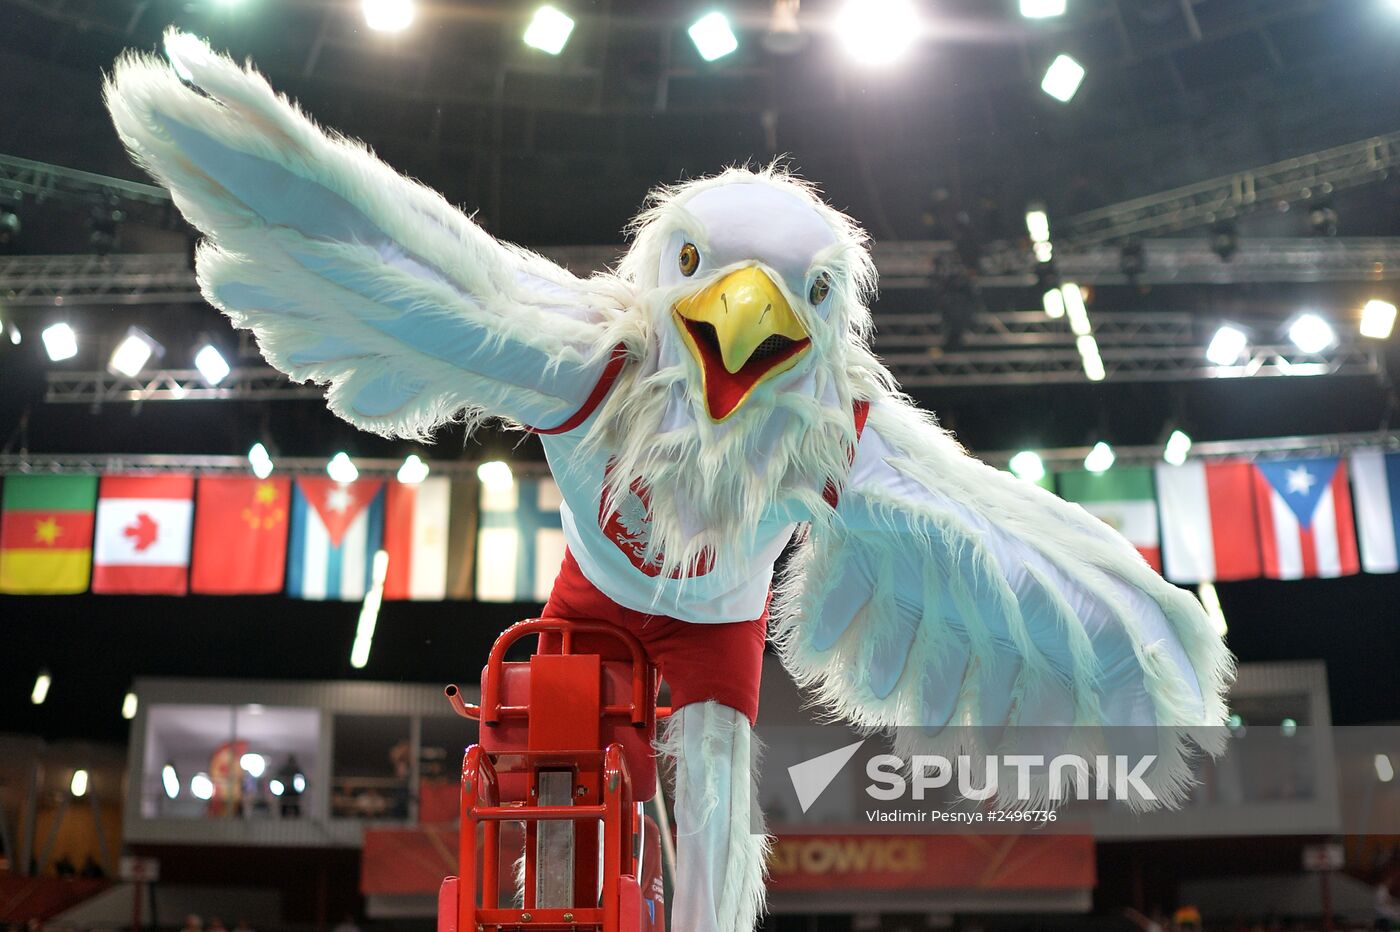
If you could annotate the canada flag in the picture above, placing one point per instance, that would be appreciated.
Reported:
(142, 540)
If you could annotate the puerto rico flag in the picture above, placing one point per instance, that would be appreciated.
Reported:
(336, 530)
(1306, 528)
(1376, 477)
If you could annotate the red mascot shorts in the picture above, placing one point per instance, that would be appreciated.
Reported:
(699, 662)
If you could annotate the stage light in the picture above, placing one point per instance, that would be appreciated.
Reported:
(1385, 772)
(1054, 303)
(1177, 449)
(261, 462)
(79, 785)
(549, 30)
(1074, 307)
(170, 780)
(253, 764)
(1038, 224)
(1311, 334)
(1042, 9)
(413, 470)
(877, 32)
(495, 475)
(1288, 727)
(369, 612)
(60, 342)
(1028, 465)
(276, 787)
(299, 782)
(9, 228)
(1062, 78)
(713, 36)
(40, 692)
(201, 786)
(1043, 252)
(1210, 601)
(1227, 346)
(1100, 458)
(14, 335)
(388, 15)
(1089, 357)
(1236, 724)
(129, 706)
(1377, 319)
(211, 364)
(132, 353)
(341, 469)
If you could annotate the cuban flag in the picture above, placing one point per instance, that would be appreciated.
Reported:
(520, 543)
(336, 530)
(1376, 477)
(1304, 510)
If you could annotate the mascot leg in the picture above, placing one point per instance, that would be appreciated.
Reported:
(720, 859)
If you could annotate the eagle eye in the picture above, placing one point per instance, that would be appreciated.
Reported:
(821, 287)
(689, 259)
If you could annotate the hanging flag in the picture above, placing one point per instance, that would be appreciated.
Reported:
(142, 543)
(1305, 521)
(46, 534)
(430, 533)
(1123, 498)
(1376, 478)
(336, 529)
(521, 543)
(240, 535)
(1209, 530)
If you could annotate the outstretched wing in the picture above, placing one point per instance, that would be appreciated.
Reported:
(943, 591)
(349, 273)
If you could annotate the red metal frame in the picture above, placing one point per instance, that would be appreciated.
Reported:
(604, 794)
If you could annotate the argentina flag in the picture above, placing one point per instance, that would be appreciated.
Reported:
(335, 530)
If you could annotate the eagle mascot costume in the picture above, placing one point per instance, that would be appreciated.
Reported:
(703, 405)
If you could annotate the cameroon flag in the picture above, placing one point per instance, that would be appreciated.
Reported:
(46, 534)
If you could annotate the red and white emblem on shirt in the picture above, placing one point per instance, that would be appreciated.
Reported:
(629, 527)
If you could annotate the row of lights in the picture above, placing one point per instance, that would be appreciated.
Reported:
(1065, 300)
(1310, 332)
(874, 32)
(43, 682)
(202, 785)
(1028, 465)
(133, 352)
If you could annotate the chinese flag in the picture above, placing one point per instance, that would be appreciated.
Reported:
(240, 535)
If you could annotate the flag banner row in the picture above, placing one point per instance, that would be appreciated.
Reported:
(314, 538)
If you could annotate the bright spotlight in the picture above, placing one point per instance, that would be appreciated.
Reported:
(211, 364)
(260, 461)
(299, 782)
(253, 764)
(129, 705)
(1385, 771)
(1062, 78)
(1038, 224)
(1311, 334)
(341, 469)
(1028, 465)
(1227, 346)
(14, 335)
(877, 32)
(79, 786)
(713, 36)
(1178, 446)
(1054, 303)
(1074, 307)
(1089, 357)
(495, 475)
(1210, 601)
(549, 30)
(132, 353)
(1377, 319)
(201, 786)
(1100, 458)
(369, 611)
(60, 342)
(413, 470)
(40, 692)
(1042, 9)
(388, 15)
(170, 780)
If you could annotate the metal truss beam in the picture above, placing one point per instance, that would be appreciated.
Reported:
(1058, 458)
(44, 182)
(1295, 180)
(166, 278)
(242, 384)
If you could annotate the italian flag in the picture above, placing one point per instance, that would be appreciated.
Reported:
(1123, 499)
(46, 534)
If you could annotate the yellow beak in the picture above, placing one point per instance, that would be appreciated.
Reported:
(742, 332)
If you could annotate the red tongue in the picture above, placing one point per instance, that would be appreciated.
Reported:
(725, 390)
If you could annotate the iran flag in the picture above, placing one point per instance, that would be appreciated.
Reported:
(1209, 529)
(1306, 528)
(142, 542)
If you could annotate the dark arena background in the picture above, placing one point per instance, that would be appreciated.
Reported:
(1075, 205)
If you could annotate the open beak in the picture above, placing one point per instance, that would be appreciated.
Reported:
(742, 332)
